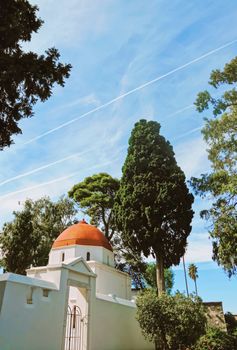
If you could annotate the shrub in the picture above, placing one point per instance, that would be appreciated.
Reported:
(215, 339)
(171, 322)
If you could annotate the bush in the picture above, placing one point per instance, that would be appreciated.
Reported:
(215, 339)
(171, 322)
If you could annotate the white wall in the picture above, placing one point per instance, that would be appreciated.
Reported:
(40, 326)
(42, 273)
(36, 326)
(115, 326)
(99, 254)
(111, 281)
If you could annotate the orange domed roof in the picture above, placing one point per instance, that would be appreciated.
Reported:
(82, 234)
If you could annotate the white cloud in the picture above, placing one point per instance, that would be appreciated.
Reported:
(68, 23)
(199, 248)
(191, 156)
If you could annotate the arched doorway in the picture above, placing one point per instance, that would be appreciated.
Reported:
(76, 329)
(76, 332)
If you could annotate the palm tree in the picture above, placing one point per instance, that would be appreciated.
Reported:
(185, 277)
(193, 274)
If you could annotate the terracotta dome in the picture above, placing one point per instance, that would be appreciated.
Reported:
(82, 234)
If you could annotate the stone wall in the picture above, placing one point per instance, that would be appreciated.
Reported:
(215, 315)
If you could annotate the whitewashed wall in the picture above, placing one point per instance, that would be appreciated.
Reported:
(40, 326)
(115, 326)
(99, 254)
(111, 281)
(36, 326)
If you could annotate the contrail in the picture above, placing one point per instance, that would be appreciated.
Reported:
(188, 132)
(140, 87)
(177, 112)
(33, 171)
(59, 179)
(10, 194)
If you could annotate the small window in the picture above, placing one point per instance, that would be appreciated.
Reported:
(45, 293)
(29, 297)
(63, 257)
(88, 256)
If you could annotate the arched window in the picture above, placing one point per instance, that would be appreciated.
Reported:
(88, 256)
(63, 257)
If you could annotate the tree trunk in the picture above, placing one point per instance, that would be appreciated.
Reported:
(185, 277)
(195, 281)
(160, 278)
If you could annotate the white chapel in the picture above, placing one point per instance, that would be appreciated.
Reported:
(79, 301)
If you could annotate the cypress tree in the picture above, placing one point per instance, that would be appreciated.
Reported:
(153, 207)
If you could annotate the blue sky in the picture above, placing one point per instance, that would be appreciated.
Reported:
(116, 46)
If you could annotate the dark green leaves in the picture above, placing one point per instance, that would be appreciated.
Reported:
(24, 77)
(153, 205)
(215, 339)
(95, 196)
(27, 240)
(172, 322)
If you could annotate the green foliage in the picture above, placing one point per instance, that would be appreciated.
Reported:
(220, 134)
(134, 265)
(150, 277)
(217, 78)
(172, 322)
(27, 240)
(25, 77)
(153, 204)
(215, 339)
(193, 274)
(95, 195)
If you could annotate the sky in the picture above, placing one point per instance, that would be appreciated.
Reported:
(131, 60)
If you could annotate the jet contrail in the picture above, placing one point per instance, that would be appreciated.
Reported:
(59, 179)
(33, 171)
(140, 87)
(188, 132)
(30, 188)
(177, 112)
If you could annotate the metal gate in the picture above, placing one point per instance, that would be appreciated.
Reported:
(76, 329)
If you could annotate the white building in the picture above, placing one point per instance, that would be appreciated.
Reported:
(79, 301)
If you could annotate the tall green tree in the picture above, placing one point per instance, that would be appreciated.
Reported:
(171, 322)
(25, 77)
(28, 238)
(153, 207)
(193, 274)
(220, 185)
(95, 196)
